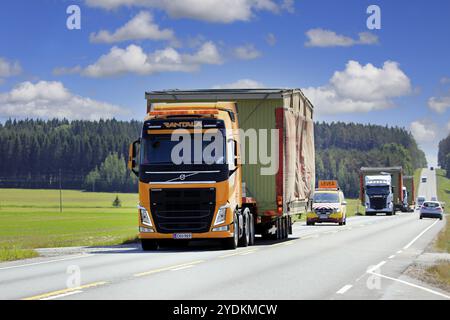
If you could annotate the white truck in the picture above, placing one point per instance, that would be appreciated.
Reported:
(378, 195)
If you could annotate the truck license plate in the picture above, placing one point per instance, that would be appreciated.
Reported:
(182, 236)
(323, 216)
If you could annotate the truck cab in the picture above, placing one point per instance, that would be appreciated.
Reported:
(379, 195)
(194, 192)
(328, 205)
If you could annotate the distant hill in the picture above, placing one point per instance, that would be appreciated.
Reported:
(91, 155)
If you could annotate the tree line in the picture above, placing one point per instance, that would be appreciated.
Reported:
(91, 155)
(343, 148)
(444, 155)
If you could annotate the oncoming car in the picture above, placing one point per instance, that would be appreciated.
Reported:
(431, 209)
(329, 205)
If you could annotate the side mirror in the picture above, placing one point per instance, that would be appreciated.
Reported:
(344, 203)
(132, 152)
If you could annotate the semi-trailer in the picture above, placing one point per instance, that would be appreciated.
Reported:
(264, 175)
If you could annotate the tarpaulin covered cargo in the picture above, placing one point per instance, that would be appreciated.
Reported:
(285, 110)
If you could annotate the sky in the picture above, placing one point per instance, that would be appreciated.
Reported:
(396, 75)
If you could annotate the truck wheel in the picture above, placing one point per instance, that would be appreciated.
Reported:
(245, 239)
(286, 228)
(232, 243)
(279, 231)
(149, 245)
(252, 230)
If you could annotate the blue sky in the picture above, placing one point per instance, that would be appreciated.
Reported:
(400, 74)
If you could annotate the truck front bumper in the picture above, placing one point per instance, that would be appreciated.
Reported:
(193, 236)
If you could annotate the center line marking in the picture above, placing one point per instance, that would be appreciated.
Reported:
(392, 256)
(182, 268)
(238, 253)
(344, 289)
(63, 295)
(146, 273)
(66, 291)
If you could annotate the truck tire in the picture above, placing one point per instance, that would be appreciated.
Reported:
(279, 231)
(245, 239)
(286, 228)
(290, 225)
(149, 245)
(232, 243)
(252, 230)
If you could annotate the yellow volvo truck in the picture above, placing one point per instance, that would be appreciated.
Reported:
(189, 190)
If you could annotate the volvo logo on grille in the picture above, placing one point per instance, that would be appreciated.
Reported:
(182, 177)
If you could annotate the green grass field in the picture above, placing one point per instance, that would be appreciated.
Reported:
(31, 219)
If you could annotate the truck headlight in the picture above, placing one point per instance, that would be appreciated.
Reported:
(221, 215)
(145, 218)
(336, 210)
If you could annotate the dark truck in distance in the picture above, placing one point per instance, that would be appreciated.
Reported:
(381, 190)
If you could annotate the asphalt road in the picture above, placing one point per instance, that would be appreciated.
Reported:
(363, 260)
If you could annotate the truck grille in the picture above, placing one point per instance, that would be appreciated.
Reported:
(378, 203)
(183, 210)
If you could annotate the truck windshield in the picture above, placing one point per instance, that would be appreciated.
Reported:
(326, 198)
(375, 190)
(160, 149)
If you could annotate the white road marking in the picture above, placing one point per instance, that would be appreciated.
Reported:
(399, 251)
(46, 262)
(376, 267)
(62, 295)
(344, 289)
(421, 234)
(412, 285)
(392, 256)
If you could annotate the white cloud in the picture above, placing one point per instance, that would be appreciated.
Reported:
(360, 88)
(246, 52)
(423, 131)
(52, 100)
(288, 5)
(222, 11)
(241, 84)
(141, 27)
(445, 80)
(271, 39)
(9, 69)
(439, 104)
(133, 59)
(327, 38)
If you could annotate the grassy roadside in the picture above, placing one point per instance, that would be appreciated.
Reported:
(441, 271)
(443, 186)
(31, 219)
